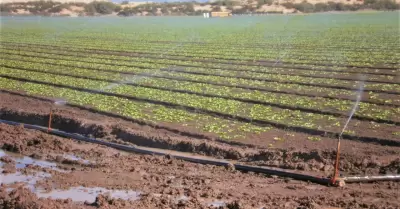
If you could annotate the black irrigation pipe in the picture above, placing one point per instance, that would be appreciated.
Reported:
(223, 76)
(267, 63)
(209, 161)
(142, 150)
(336, 114)
(211, 67)
(258, 122)
(209, 82)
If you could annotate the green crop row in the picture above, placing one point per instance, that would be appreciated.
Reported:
(160, 60)
(236, 108)
(147, 112)
(274, 86)
(248, 76)
(361, 58)
(312, 103)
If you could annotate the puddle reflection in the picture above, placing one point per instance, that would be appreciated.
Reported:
(81, 194)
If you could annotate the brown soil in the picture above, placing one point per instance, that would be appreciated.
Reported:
(161, 180)
(294, 151)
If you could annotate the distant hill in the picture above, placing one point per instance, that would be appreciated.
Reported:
(154, 8)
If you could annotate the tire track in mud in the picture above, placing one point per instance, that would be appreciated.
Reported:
(336, 114)
(209, 82)
(258, 122)
(236, 77)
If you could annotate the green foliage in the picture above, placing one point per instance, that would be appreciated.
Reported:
(117, 8)
(100, 7)
(304, 7)
(310, 89)
(267, 2)
(288, 5)
(58, 8)
(385, 5)
(5, 8)
(216, 9)
(321, 7)
(187, 8)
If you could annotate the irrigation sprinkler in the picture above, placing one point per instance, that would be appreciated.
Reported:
(59, 103)
(335, 179)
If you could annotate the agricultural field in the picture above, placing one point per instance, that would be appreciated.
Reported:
(274, 91)
(252, 80)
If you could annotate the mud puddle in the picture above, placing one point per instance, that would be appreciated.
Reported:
(214, 203)
(82, 194)
(24, 161)
(29, 181)
(76, 158)
(76, 194)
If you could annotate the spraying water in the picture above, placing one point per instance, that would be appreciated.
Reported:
(60, 102)
(127, 80)
(290, 37)
(137, 78)
(358, 99)
(353, 110)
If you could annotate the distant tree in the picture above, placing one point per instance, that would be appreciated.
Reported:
(189, 8)
(288, 5)
(267, 2)
(321, 7)
(216, 9)
(58, 8)
(118, 8)
(125, 2)
(304, 7)
(385, 5)
(101, 7)
(90, 9)
(340, 7)
(5, 8)
(369, 2)
(164, 10)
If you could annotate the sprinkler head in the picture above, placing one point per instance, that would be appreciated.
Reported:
(339, 183)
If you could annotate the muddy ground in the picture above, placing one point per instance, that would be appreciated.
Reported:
(297, 152)
(160, 182)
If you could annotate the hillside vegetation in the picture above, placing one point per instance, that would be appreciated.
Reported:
(95, 8)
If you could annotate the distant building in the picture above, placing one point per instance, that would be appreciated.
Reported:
(220, 14)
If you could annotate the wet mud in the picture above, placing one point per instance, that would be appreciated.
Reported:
(296, 153)
(54, 172)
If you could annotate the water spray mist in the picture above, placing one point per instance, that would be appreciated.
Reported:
(353, 110)
(58, 102)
